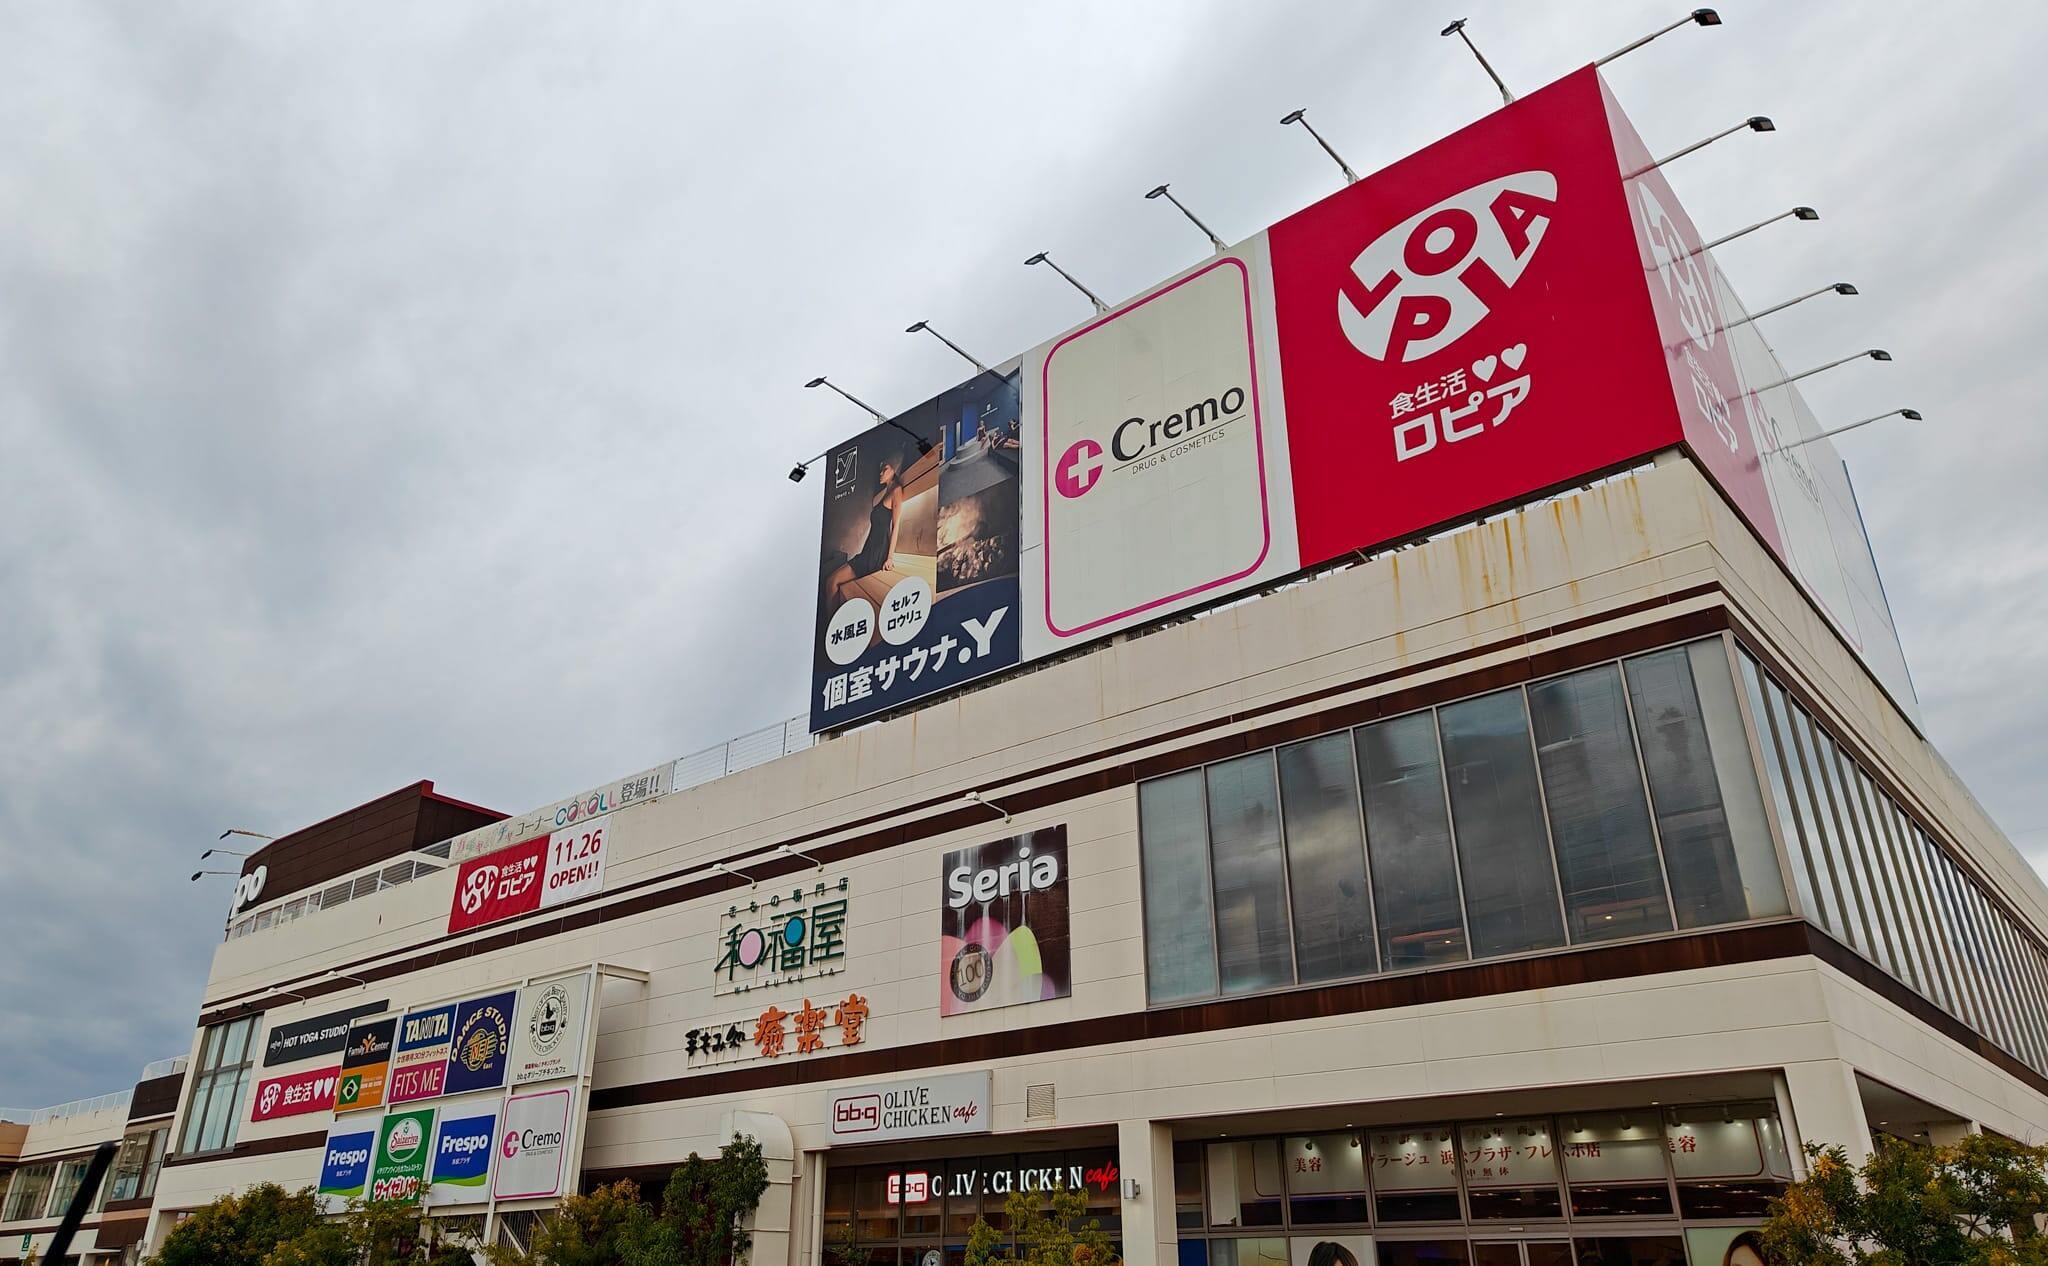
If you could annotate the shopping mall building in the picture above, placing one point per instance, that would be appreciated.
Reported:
(1525, 895)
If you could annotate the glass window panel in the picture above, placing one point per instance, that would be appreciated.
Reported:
(1187, 1185)
(1729, 1142)
(874, 1211)
(1173, 842)
(1891, 881)
(1414, 871)
(1497, 819)
(29, 1193)
(1510, 1169)
(1325, 1178)
(236, 1048)
(1105, 1197)
(1496, 1253)
(1771, 756)
(920, 1191)
(1630, 1250)
(1254, 946)
(1613, 1147)
(1244, 1183)
(1704, 791)
(838, 1203)
(1823, 836)
(1422, 1252)
(1850, 861)
(1326, 860)
(2025, 1005)
(1549, 1252)
(1913, 897)
(1870, 864)
(1599, 817)
(1944, 876)
(1980, 927)
(70, 1177)
(1414, 1174)
(1248, 1251)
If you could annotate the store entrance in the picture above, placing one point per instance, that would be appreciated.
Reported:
(1521, 1253)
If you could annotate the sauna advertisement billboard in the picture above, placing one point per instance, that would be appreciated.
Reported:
(1513, 310)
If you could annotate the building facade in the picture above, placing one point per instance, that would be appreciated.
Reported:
(1521, 898)
(45, 1153)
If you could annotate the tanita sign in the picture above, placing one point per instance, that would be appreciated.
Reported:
(924, 1108)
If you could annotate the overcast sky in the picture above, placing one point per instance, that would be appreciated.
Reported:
(396, 391)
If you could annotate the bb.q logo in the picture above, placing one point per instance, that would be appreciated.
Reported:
(1427, 281)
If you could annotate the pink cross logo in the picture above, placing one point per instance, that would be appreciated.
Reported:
(1080, 466)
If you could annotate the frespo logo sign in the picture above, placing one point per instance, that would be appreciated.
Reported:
(345, 1167)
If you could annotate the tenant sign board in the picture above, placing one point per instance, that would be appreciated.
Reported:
(914, 1108)
(320, 1035)
(1003, 923)
(534, 874)
(533, 1145)
(1518, 308)
(549, 1029)
(402, 1151)
(295, 1094)
(364, 1064)
(345, 1166)
(462, 1158)
(419, 1068)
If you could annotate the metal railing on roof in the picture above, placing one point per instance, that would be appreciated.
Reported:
(757, 747)
(82, 1107)
(165, 1067)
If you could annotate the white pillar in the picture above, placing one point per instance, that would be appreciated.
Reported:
(1827, 1108)
(1950, 1133)
(1145, 1156)
(772, 1223)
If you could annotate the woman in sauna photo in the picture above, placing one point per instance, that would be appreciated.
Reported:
(878, 551)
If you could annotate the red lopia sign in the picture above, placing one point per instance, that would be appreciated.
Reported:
(532, 875)
(289, 1096)
(1465, 327)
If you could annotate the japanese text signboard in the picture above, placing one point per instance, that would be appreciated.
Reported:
(917, 569)
(320, 1035)
(790, 935)
(483, 1036)
(549, 1029)
(294, 1094)
(402, 1152)
(1518, 308)
(804, 1029)
(462, 1158)
(1003, 923)
(345, 1166)
(531, 875)
(419, 1066)
(364, 1064)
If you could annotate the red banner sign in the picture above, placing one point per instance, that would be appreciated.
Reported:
(310, 1091)
(547, 870)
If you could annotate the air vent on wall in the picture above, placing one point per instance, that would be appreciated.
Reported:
(1039, 1103)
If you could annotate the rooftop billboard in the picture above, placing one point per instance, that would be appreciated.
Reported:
(1515, 309)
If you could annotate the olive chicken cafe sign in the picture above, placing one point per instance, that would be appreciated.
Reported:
(919, 1108)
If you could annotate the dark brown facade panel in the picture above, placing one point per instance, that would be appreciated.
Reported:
(118, 1233)
(953, 815)
(255, 1147)
(389, 826)
(156, 1097)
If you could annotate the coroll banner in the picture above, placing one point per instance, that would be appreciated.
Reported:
(917, 570)
(483, 1035)
(1519, 308)
(364, 1064)
(1003, 925)
(419, 1068)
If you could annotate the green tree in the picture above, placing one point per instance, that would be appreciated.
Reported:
(843, 1251)
(1971, 1204)
(240, 1228)
(1058, 1232)
(599, 1229)
(703, 1207)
